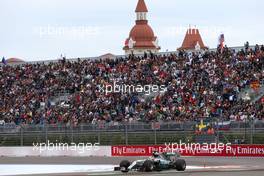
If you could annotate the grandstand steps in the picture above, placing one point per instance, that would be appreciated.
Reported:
(249, 93)
(260, 95)
(60, 98)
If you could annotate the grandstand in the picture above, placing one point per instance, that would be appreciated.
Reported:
(199, 86)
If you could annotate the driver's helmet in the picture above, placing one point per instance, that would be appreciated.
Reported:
(155, 154)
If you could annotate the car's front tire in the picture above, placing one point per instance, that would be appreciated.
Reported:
(124, 165)
(180, 165)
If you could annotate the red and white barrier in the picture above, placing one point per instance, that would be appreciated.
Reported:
(194, 150)
(137, 150)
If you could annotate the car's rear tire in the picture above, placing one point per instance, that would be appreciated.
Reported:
(180, 165)
(124, 165)
(148, 166)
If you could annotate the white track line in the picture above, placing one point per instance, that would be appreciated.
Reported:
(26, 169)
(15, 169)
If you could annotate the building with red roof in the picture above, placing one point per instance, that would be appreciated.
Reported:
(141, 37)
(107, 56)
(193, 41)
(15, 61)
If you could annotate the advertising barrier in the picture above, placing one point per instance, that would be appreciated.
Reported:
(192, 150)
(225, 150)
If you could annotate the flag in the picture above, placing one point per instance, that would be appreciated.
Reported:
(221, 42)
(4, 61)
(225, 125)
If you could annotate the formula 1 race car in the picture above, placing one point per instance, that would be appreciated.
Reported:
(157, 162)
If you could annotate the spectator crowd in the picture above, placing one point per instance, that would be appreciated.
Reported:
(198, 86)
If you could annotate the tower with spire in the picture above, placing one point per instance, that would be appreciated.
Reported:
(141, 37)
(192, 40)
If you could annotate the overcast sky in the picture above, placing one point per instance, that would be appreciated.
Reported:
(45, 29)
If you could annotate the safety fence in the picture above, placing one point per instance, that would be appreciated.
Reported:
(250, 132)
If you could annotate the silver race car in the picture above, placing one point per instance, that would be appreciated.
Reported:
(157, 162)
